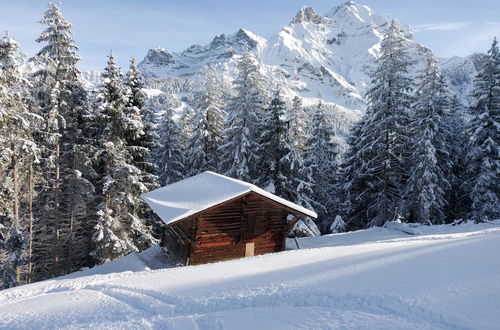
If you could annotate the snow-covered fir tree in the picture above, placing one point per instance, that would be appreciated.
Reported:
(65, 195)
(170, 153)
(275, 175)
(186, 130)
(12, 256)
(119, 229)
(141, 131)
(204, 153)
(484, 141)
(354, 178)
(379, 163)
(141, 137)
(304, 228)
(242, 134)
(18, 153)
(458, 200)
(298, 124)
(320, 159)
(46, 91)
(133, 126)
(297, 135)
(282, 166)
(338, 225)
(428, 185)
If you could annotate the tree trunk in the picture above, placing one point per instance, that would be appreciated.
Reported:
(15, 186)
(30, 223)
(71, 235)
(15, 205)
(57, 220)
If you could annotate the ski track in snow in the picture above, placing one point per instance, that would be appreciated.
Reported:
(446, 278)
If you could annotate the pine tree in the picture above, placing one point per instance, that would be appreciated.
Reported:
(141, 138)
(297, 135)
(141, 131)
(320, 159)
(304, 228)
(377, 166)
(13, 242)
(206, 140)
(456, 140)
(169, 154)
(273, 137)
(133, 126)
(298, 123)
(354, 178)
(428, 184)
(282, 165)
(119, 229)
(338, 225)
(186, 131)
(17, 156)
(66, 193)
(484, 141)
(242, 134)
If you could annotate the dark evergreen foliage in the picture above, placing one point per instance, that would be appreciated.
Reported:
(377, 166)
(484, 140)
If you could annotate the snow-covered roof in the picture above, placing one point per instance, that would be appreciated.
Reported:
(197, 193)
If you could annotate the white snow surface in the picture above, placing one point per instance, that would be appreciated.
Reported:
(149, 259)
(197, 193)
(447, 277)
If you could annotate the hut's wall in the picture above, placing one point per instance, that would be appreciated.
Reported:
(178, 238)
(223, 232)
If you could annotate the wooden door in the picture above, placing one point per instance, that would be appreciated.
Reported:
(250, 249)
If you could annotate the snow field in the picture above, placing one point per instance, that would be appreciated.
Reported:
(446, 278)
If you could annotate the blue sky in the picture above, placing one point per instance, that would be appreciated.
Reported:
(131, 27)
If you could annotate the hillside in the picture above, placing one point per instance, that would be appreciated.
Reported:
(444, 277)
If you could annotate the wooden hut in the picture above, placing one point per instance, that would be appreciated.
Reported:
(210, 217)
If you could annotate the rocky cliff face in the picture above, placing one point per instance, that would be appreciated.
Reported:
(328, 57)
(159, 63)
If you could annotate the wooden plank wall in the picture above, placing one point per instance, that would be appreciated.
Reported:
(178, 239)
(222, 232)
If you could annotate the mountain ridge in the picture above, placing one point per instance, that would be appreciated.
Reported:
(328, 57)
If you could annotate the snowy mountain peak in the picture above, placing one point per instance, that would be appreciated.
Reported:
(250, 38)
(245, 37)
(331, 55)
(159, 56)
(307, 14)
(218, 40)
(159, 63)
(351, 9)
(352, 16)
(242, 40)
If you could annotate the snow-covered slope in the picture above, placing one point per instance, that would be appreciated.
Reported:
(459, 73)
(316, 56)
(92, 79)
(445, 278)
(148, 259)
